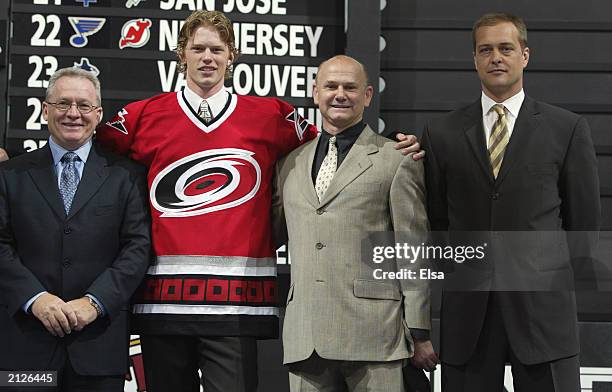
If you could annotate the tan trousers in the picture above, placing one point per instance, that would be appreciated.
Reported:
(317, 374)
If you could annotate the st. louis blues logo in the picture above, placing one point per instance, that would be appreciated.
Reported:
(84, 27)
(300, 124)
(205, 182)
(119, 122)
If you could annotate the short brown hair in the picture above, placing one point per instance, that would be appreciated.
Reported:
(214, 19)
(493, 19)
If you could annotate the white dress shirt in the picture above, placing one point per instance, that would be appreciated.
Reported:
(216, 102)
(489, 116)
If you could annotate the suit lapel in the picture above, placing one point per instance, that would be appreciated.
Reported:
(474, 132)
(355, 163)
(306, 185)
(44, 177)
(94, 174)
(524, 127)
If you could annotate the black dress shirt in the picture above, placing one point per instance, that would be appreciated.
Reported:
(344, 142)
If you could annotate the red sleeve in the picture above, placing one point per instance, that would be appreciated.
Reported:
(299, 129)
(118, 134)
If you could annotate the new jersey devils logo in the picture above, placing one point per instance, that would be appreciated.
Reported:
(206, 181)
(135, 33)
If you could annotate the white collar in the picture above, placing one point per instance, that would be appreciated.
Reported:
(216, 102)
(512, 104)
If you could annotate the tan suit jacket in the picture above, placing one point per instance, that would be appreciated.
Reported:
(335, 305)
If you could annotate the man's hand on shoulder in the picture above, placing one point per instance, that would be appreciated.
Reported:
(408, 144)
(424, 355)
(53, 313)
(85, 312)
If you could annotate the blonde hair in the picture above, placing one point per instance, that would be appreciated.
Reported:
(214, 19)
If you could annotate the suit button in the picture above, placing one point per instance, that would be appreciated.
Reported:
(319, 246)
(320, 211)
(66, 262)
(67, 230)
(495, 196)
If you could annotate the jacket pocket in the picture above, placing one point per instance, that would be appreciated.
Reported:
(363, 288)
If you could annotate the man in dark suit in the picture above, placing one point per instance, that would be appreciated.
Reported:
(510, 163)
(74, 245)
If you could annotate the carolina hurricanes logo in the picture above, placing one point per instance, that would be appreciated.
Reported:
(206, 181)
(300, 124)
(119, 123)
(135, 33)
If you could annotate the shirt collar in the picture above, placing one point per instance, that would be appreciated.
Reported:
(216, 102)
(58, 151)
(512, 104)
(346, 138)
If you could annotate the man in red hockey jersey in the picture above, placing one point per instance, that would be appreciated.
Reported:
(212, 290)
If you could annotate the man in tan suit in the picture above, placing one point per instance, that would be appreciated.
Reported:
(344, 329)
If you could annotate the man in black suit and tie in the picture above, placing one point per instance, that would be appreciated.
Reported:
(74, 245)
(510, 163)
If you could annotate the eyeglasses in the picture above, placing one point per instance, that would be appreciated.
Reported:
(83, 108)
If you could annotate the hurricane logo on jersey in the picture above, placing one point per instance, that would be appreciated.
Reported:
(205, 182)
(119, 122)
(301, 125)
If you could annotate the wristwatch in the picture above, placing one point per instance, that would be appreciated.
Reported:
(95, 306)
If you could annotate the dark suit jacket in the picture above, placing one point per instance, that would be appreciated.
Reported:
(102, 247)
(548, 182)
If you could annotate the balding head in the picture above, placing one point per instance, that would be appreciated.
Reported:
(345, 61)
(342, 92)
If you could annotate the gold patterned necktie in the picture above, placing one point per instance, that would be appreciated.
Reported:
(328, 169)
(498, 140)
(204, 112)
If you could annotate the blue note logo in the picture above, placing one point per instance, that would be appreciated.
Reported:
(84, 27)
(86, 65)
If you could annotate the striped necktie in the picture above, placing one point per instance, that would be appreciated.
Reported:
(498, 140)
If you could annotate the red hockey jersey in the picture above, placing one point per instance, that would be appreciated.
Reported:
(210, 194)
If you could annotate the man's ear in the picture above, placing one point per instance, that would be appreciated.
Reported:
(45, 110)
(525, 57)
(315, 93)
(369, 93)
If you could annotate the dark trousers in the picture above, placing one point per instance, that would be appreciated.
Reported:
(484, 371)
(69, 381)
(171, 363)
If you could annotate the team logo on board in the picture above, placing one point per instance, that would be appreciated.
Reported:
(86, 3)
(132, 3)
(84, 27)
(86, 65)
(135, 33)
